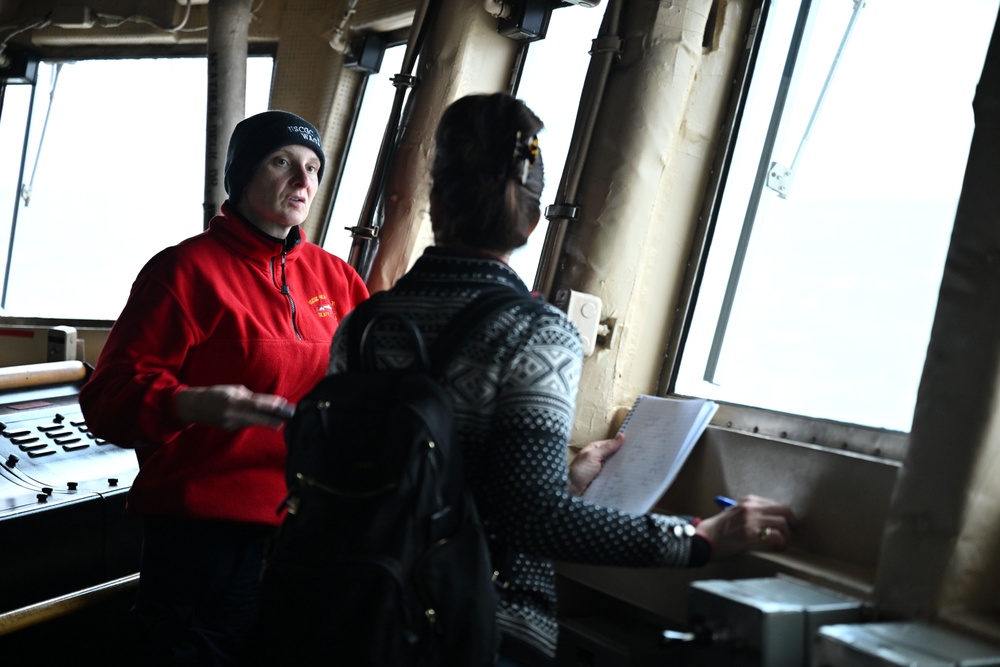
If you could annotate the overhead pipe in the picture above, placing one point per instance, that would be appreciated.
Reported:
(228, 30)
(605, 48)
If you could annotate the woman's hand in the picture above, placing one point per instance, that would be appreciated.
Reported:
(752, 523)
(231, 407)
(588, 462)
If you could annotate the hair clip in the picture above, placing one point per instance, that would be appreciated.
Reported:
(525, 153)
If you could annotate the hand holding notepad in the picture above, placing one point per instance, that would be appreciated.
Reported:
(659, 435)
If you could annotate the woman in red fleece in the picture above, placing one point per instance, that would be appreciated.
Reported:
(221, 334)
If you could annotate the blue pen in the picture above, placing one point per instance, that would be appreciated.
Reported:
(724, 502)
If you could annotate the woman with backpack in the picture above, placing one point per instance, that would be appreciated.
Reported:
(514, 386)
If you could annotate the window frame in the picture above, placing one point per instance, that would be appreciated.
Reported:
(329, 226)
(33, 127)
(758, 421)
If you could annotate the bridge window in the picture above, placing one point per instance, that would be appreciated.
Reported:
(833, 223)
(551, 83)
(113, 172)
(372, 118)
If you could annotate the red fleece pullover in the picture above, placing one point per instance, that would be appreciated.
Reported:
(228, 306)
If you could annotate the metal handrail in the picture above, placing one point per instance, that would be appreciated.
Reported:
(41, 612)
(33, 375)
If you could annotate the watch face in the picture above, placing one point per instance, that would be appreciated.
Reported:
(685, 530)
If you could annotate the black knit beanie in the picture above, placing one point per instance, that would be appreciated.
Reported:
(258, 136)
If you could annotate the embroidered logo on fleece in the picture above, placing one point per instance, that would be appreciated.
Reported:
(323, 306)
(306, 133)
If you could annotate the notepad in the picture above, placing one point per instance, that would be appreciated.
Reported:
(659, 435)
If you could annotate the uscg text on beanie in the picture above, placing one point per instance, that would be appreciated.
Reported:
(258, 136)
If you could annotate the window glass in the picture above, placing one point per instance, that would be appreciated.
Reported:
(16, 105)
(376, 105)
(831, 305)
(551, 82)
(119, 176)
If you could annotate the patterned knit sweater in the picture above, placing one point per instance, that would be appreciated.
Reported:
(514, 386)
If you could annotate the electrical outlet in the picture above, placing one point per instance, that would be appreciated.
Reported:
(584, 311)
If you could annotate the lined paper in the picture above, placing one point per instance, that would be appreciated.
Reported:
(659, 435)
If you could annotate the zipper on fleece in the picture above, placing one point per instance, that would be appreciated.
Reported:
(287, 293)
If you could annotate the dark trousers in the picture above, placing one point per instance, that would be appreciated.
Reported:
(515, 653)
(198, 590)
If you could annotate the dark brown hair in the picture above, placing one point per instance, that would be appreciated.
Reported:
(487, 174)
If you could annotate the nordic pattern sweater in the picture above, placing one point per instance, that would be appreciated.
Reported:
(514, 386)
(231, 305)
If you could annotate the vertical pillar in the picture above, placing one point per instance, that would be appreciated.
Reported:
(642, 186)
(228, 27)
(939, 548)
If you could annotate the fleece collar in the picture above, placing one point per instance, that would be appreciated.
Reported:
(245, 238)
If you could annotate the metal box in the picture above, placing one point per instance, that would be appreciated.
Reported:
(909, 644)
(769, 622)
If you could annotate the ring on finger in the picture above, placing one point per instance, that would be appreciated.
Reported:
(764, 534)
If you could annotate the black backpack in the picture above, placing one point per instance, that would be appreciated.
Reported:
(381, 559)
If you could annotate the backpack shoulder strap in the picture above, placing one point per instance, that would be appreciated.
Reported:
(457, 331)
(361, 317)
(465, 321)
